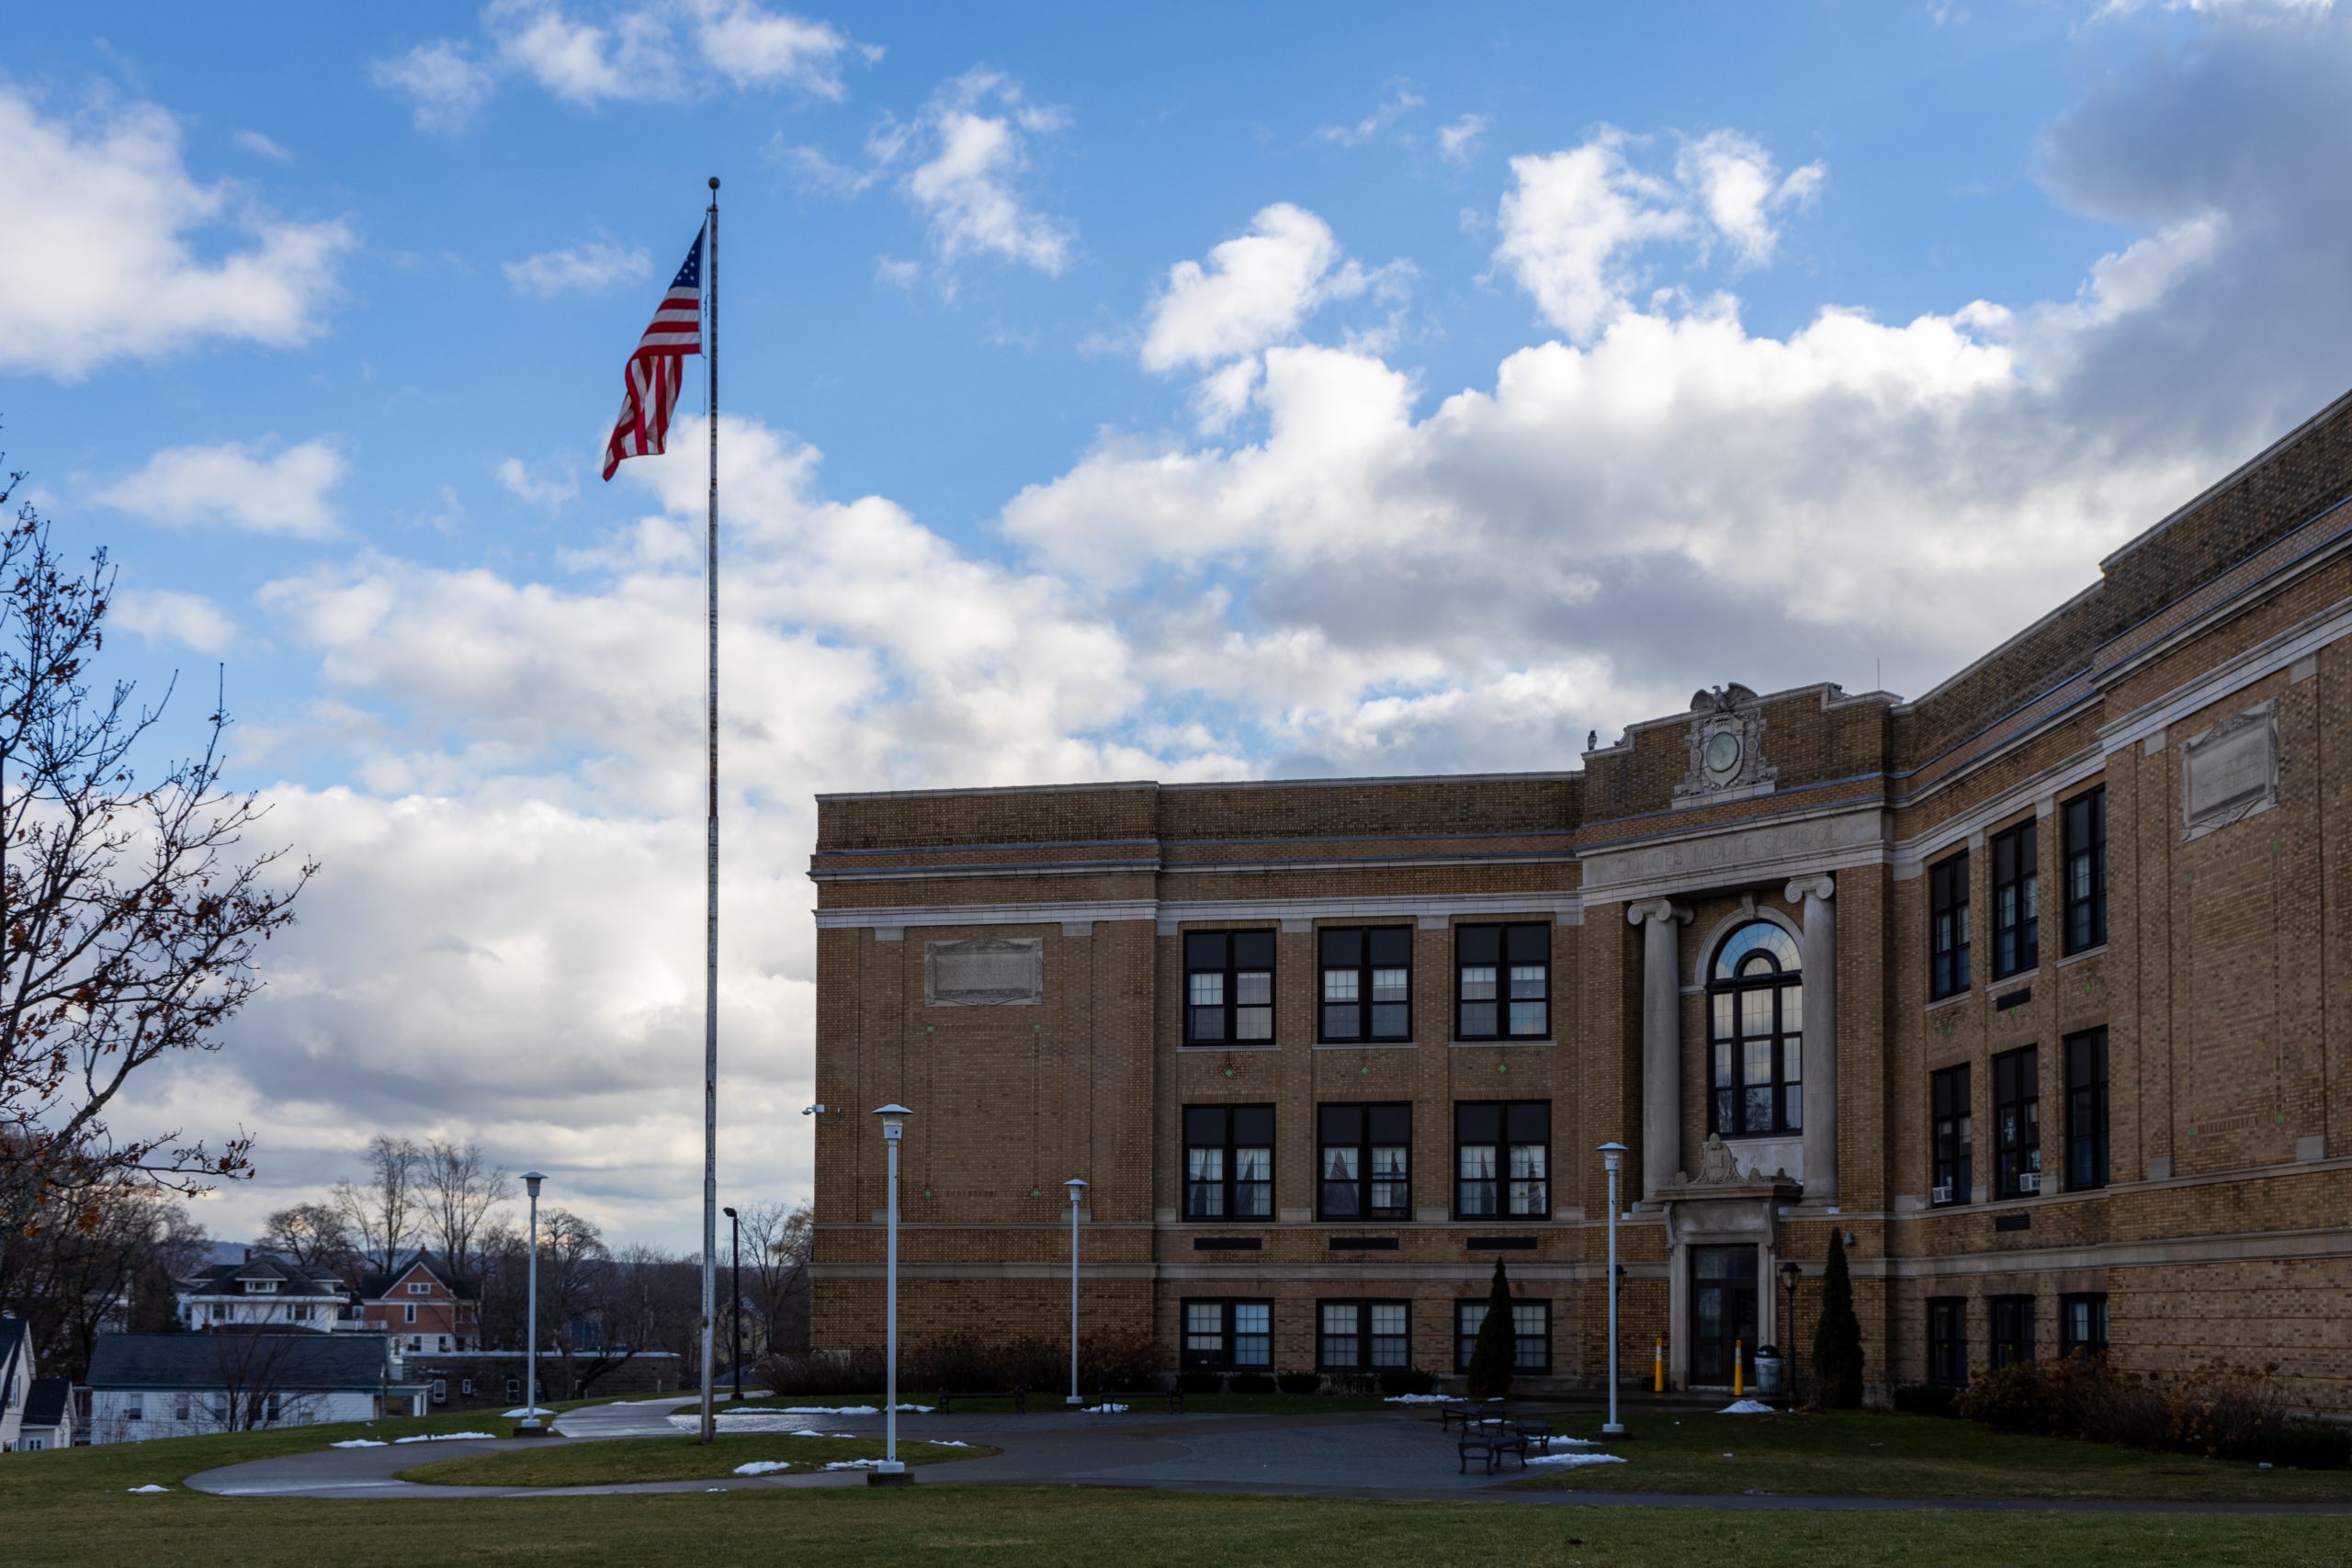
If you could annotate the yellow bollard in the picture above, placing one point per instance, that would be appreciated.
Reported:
(1658, 1366)
(1737, 1365)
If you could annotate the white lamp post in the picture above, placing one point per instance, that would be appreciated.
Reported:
(894, 1125)
(1612, 1154)
(532, 1425)
(1077, 1190)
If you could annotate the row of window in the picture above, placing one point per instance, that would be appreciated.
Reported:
(2017, 897)
(1502, 985)
(2016, 1122)
(2008, 1321)
(1363, 1160)
(1353, 1335)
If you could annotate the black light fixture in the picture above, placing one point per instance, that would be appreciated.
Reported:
(1790, 1274)
(735, 1270)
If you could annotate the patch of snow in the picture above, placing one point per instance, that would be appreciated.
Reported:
(359, 1443)
(1105, 1409)
(1571, 1461)
(855, 1464)
(139, 1489)
(445, 1436)
(947, 1442)
(764, 1467)
(1747, 1407)
(520, 1411)
(1417, 1399)
(805, 1434)
(752, 1410)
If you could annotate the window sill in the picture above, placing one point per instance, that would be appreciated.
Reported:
(1960, 996)
(1364, 1046)
(2086, 953)
(1480, 1044)
(1228, 1045)
(2000, 983)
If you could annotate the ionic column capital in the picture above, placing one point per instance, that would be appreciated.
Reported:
(1804, 888)
(1658, 911)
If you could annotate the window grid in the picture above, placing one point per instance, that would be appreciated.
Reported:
(1756, 1045)
(1954, 1155)
(2082, 1323)
(2017, 1123)
(1367, 983)
(1947, 927)
(1947, 1341)
(1229, 988)
(1363, 1157)
(1224, 1334)
(2084, 830)
(2011, 1319)
(1502, 1159)
(1531, 1326)
(1503, 982)
(2086, 1111)
(1229, 1162)
(2016, 901)
(1362, 1336)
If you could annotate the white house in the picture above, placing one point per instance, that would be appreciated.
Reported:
(174, 1385)
(15, 1379)
(264, 1291)
(49, 1415)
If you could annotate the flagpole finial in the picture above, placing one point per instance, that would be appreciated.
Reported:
(714, 182)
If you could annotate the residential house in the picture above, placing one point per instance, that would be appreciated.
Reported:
(49, 1415)
(173, 1385)
(262, 1291)
(16, 1379)
(422, 1304)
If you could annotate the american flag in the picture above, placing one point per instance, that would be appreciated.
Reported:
(658, 367)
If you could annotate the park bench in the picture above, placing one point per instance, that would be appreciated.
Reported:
(1466, 1411)
(1538, 1435)
(1171, 1397)
(946, 1400)
(1487, 1442)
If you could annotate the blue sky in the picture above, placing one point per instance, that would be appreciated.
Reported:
(1199, 392)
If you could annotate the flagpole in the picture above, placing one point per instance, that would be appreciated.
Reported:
(710, 943)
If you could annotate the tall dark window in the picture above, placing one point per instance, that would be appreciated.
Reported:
(1948, 926)
(1363, 1336)
(2017, 1123)
(1502, 987)
(2082, 1325)
(1531, 1333)
(1229, 988)
(1955, 1136)
(2086, 845)
(2017, 901)
(1502, 1155)
(1228, 1162)
(1755, 1004)
(1220, 1334)
(2086, 1111)
(1947, 1341)
(1367, 983)
(1364, 1153)
(2012, 1321)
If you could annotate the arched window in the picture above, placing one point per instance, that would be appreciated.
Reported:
(1755, 1034)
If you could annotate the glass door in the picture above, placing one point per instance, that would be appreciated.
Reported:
(1723, 1313)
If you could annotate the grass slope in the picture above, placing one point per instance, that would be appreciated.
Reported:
(1855, 1455)
(685, 1458)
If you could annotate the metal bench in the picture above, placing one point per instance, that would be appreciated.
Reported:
(1019, 1397)
(1466, 1411)
(1487, 1442)
(1171, 1397)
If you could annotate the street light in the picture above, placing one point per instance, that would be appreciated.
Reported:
(890, 1473)
(1789, 1275)
(1077, 1190)
(1611, 1153)
(531, 1426)
(735, 1271)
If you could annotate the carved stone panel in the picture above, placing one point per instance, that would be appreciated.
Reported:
(2230, 771)
(1726, 748)
(989, 971)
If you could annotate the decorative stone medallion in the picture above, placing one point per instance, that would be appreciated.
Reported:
(1726, 747)
(2230, 771)
(989, 971)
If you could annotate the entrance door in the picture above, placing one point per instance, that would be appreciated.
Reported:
(1723, 1311)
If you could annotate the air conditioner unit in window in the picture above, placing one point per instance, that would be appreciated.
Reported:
(1940, 1194)
(2029, 1181)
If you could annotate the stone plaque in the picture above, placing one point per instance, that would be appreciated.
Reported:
(2230, 771)
(989, 971)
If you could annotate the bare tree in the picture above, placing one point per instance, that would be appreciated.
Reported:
(315, 1235)
(130, 912)
(777, 1241)
(109, 1266)
(573, 1266)
(460, 1184)
(384, 1211)
(261, 1381)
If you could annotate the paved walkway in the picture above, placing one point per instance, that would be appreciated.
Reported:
(1375, 1454)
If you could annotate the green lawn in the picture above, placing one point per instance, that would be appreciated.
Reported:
(1195, 1404)
(1856, 1455)
(623, 1460)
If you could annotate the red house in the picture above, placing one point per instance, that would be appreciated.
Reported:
(423, 1305)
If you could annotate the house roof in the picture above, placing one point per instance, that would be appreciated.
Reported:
(375, 1287)
(310, 1362)
(14, 1340)
(45, 1401)
(228, 1279)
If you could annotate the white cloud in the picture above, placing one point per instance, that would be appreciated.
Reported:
(261, 146)
(1457, 141)
(1255, 290)
(444, 83)
(165, 614)
(534, 489)
(967, 185)
(1569, 221)
(1740, 189)
(756, 48)
(115, 251)
(236, 486)
(587, 268)
(1398, 102)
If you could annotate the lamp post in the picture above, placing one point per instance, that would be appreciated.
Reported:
(890, 1473)
(1612, 1154)
(735, 1276)
(1789, 1275)
(1077, 1190)
(531, 1426)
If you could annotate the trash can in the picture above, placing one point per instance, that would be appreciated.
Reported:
(1768, 1369)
